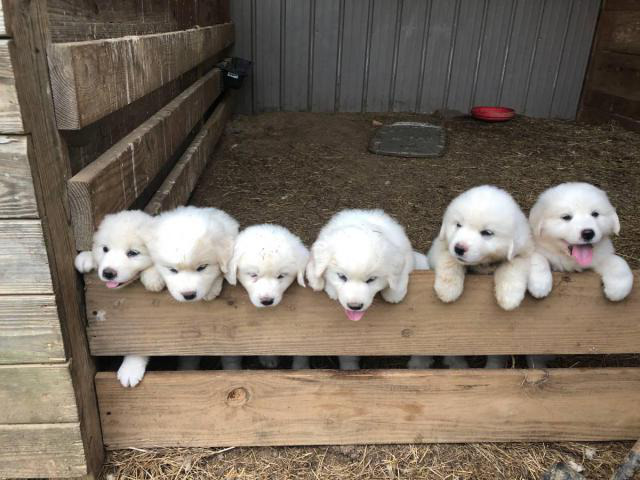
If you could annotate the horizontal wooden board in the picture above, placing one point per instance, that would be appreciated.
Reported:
(177, 187)
(120, 175)
(3, 26)
(620, 31)
(10, 116)
(574, 319)
(37, 394)
(41, 450)
(30, 330)
(25, 267)
(94, 78)
(316, 407)
(17, 197)
(616, 74)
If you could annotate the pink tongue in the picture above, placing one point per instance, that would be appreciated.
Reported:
(113, 284)
(355, 316)
(583, 254)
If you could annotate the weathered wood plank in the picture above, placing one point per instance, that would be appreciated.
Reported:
(620, 31)
(575, 318)
(44, 450)
(94, 78)
(177, 187)
(30, 330)
(117, 178)
(10, 116)
(316, 407)
(37, 394)
(3, 26)
(25, 267)
(50, 168)
(17, 197)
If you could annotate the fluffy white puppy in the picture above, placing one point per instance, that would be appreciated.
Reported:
(119, 252)
(483, 230)
(266, 260)
(357, 254)
(572, 224)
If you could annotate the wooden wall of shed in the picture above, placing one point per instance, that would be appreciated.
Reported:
(612, 86)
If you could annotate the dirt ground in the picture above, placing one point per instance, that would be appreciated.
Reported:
(297, 169)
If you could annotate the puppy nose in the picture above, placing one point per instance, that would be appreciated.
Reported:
(587, 234)
(459, 249)
(189, 295)
(266, 301)
(355, 306)
(109, 273)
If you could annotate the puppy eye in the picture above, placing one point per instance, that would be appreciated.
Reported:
(201, 267)
(458, 225)
(371, 279)
(173, 270)
(105, 249)
(486, 233)
(342, 277)
(567, 217)
(281, 276)
(253, 275)
(132, 253)
(595, 214)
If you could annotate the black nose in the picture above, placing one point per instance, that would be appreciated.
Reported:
(109, 273)
(189, 295)
(355, 306)
(267, 301)
(459, 249)
(587, 234)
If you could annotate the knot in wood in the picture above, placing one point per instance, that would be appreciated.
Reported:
(238, 396)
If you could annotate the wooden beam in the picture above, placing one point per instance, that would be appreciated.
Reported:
(119, 176)
(3, 26)
(94, 78)
(177, 187)
(316, 407)
(10, 116)
(574, 319)
(41, 450)
(17, 197)
(25, 266)
(37, 394)
(30, 330)
(50, 169)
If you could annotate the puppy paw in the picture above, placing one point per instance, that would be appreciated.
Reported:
(331, 292)
(300, 363)
(132, 371)
(269, 361)
(215, 290)
(152, 280)
(455, 362)
(616, 289)
(448, 287)
(393, 296)
(232, 363)
(496, 361)
(540, 284)
(420, 362)
(509, 297)
(349, 363)
(84, 262)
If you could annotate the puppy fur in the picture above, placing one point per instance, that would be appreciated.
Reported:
(357, 254)
(266, 260)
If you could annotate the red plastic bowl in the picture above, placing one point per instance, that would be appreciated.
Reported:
(493, 114)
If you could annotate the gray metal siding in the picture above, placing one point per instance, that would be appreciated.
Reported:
(414, 55)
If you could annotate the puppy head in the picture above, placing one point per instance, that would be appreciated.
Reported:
(119, 247)
(356, 263)
(191, 247)
(484, 225)
(266, 260)
(571, 218)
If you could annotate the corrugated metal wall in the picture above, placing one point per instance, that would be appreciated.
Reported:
(415, 55)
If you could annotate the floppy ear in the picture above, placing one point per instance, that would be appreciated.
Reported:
(521, 237)
(318, 263)
(616, 223)
(398, 270)
(303, 259)
(232, 268)
(536, 219)
(443, 232)
(225, 253)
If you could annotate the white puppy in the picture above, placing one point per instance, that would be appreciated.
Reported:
(190, 248)
(357, 254)
(266, 260)
(119, 252)
(120, 255)
(572, 224)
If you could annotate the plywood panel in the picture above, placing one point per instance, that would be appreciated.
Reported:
(316, 407)
(576, 318)
(120, 175)
(17, 197)
(36, 394)
(30, 330)
(94, 78)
